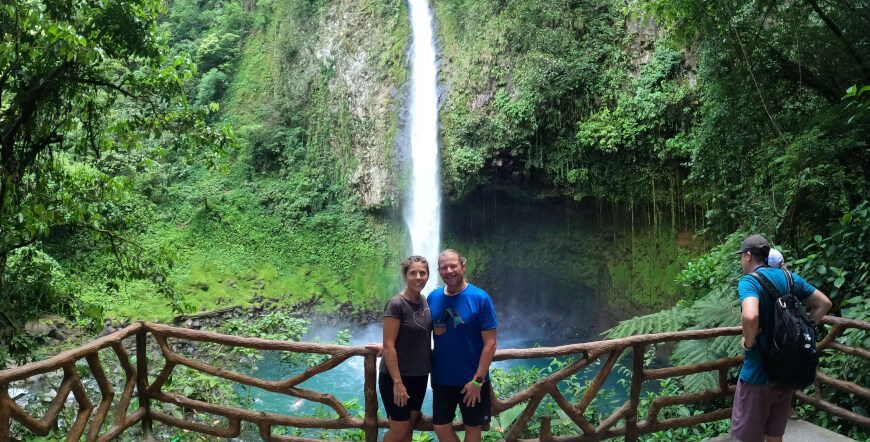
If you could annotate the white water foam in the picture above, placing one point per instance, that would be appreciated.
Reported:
(423, 214)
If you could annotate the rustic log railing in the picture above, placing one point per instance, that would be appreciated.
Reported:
(90, 423)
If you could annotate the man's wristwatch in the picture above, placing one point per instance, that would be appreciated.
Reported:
(478, 381)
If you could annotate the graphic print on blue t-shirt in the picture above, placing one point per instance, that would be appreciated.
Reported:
(753, 363)
(458, 343)
(440, 326)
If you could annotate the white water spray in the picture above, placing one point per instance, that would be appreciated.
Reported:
(423, 214)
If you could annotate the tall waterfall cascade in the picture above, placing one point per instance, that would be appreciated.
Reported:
(423, 213)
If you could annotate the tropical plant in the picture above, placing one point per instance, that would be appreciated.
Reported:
(78, 80)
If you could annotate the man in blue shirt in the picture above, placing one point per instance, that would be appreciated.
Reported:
(760, 406)
(464, 326)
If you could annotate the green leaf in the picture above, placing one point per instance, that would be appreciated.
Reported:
(850, 92)
(818, 238)
(821, 269)
(839, 282)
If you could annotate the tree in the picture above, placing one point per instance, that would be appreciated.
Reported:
(78, 79)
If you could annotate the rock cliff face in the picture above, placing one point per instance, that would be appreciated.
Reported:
(521, 79)
(334, 69)
(354, 40)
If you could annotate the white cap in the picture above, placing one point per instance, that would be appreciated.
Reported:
(774, 258)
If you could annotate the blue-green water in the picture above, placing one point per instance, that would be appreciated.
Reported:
(346, 380)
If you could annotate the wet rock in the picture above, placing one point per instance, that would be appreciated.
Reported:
(37, 329)
(58, 334)
(49, 395)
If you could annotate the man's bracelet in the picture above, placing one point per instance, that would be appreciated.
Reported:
(478, 384)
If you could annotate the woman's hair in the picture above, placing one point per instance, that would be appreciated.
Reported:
(406, 264)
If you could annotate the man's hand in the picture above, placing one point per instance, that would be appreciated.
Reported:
(472, 394)
(749, 347)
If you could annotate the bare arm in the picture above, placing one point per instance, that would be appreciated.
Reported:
(749, 320)
(391, 332)
(819, 305)
(471, 391)
(489, 346)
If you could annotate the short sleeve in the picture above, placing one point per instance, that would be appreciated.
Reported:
(393, 309)
(487, 315)
(748, 288)
(803, 289)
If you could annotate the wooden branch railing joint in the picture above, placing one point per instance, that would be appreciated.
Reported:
(90, 417)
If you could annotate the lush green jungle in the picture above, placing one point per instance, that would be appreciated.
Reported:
(160, 157)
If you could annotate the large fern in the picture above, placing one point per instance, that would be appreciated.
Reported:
(716, 309)
(673, 319)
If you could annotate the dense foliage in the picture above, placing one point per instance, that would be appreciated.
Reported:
(79, 81)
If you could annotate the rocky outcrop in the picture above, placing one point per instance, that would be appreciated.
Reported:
(357, 51)
(369, 93)
(46, 328)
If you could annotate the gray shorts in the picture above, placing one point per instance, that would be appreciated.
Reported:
(759, 410)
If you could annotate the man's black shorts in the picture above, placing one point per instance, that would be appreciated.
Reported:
(445, 398)
(416, 388)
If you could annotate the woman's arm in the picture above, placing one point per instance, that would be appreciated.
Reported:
(391, 332)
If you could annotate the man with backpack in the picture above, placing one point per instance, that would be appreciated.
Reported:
(779, 341)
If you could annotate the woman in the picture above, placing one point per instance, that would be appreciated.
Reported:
(404, 370)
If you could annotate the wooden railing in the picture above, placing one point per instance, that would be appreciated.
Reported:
(91, 423)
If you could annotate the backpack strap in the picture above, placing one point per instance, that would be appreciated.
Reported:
(789, 280)
(768, 286)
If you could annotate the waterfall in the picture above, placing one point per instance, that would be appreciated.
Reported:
(423, 213)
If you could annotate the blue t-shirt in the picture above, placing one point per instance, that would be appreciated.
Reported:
(753, 364)
(457, 322)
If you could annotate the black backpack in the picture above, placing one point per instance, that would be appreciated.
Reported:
(790, 355)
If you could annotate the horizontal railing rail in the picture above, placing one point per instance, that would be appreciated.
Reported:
(90, 422)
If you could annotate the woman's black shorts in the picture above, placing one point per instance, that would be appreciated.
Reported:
(416, 388)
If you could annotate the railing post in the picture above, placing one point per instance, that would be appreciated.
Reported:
(634, 393)
(142, 380)
(546, 432)
(5, 413)
(370, 422)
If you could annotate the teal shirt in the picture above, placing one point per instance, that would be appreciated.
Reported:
(753, 365)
